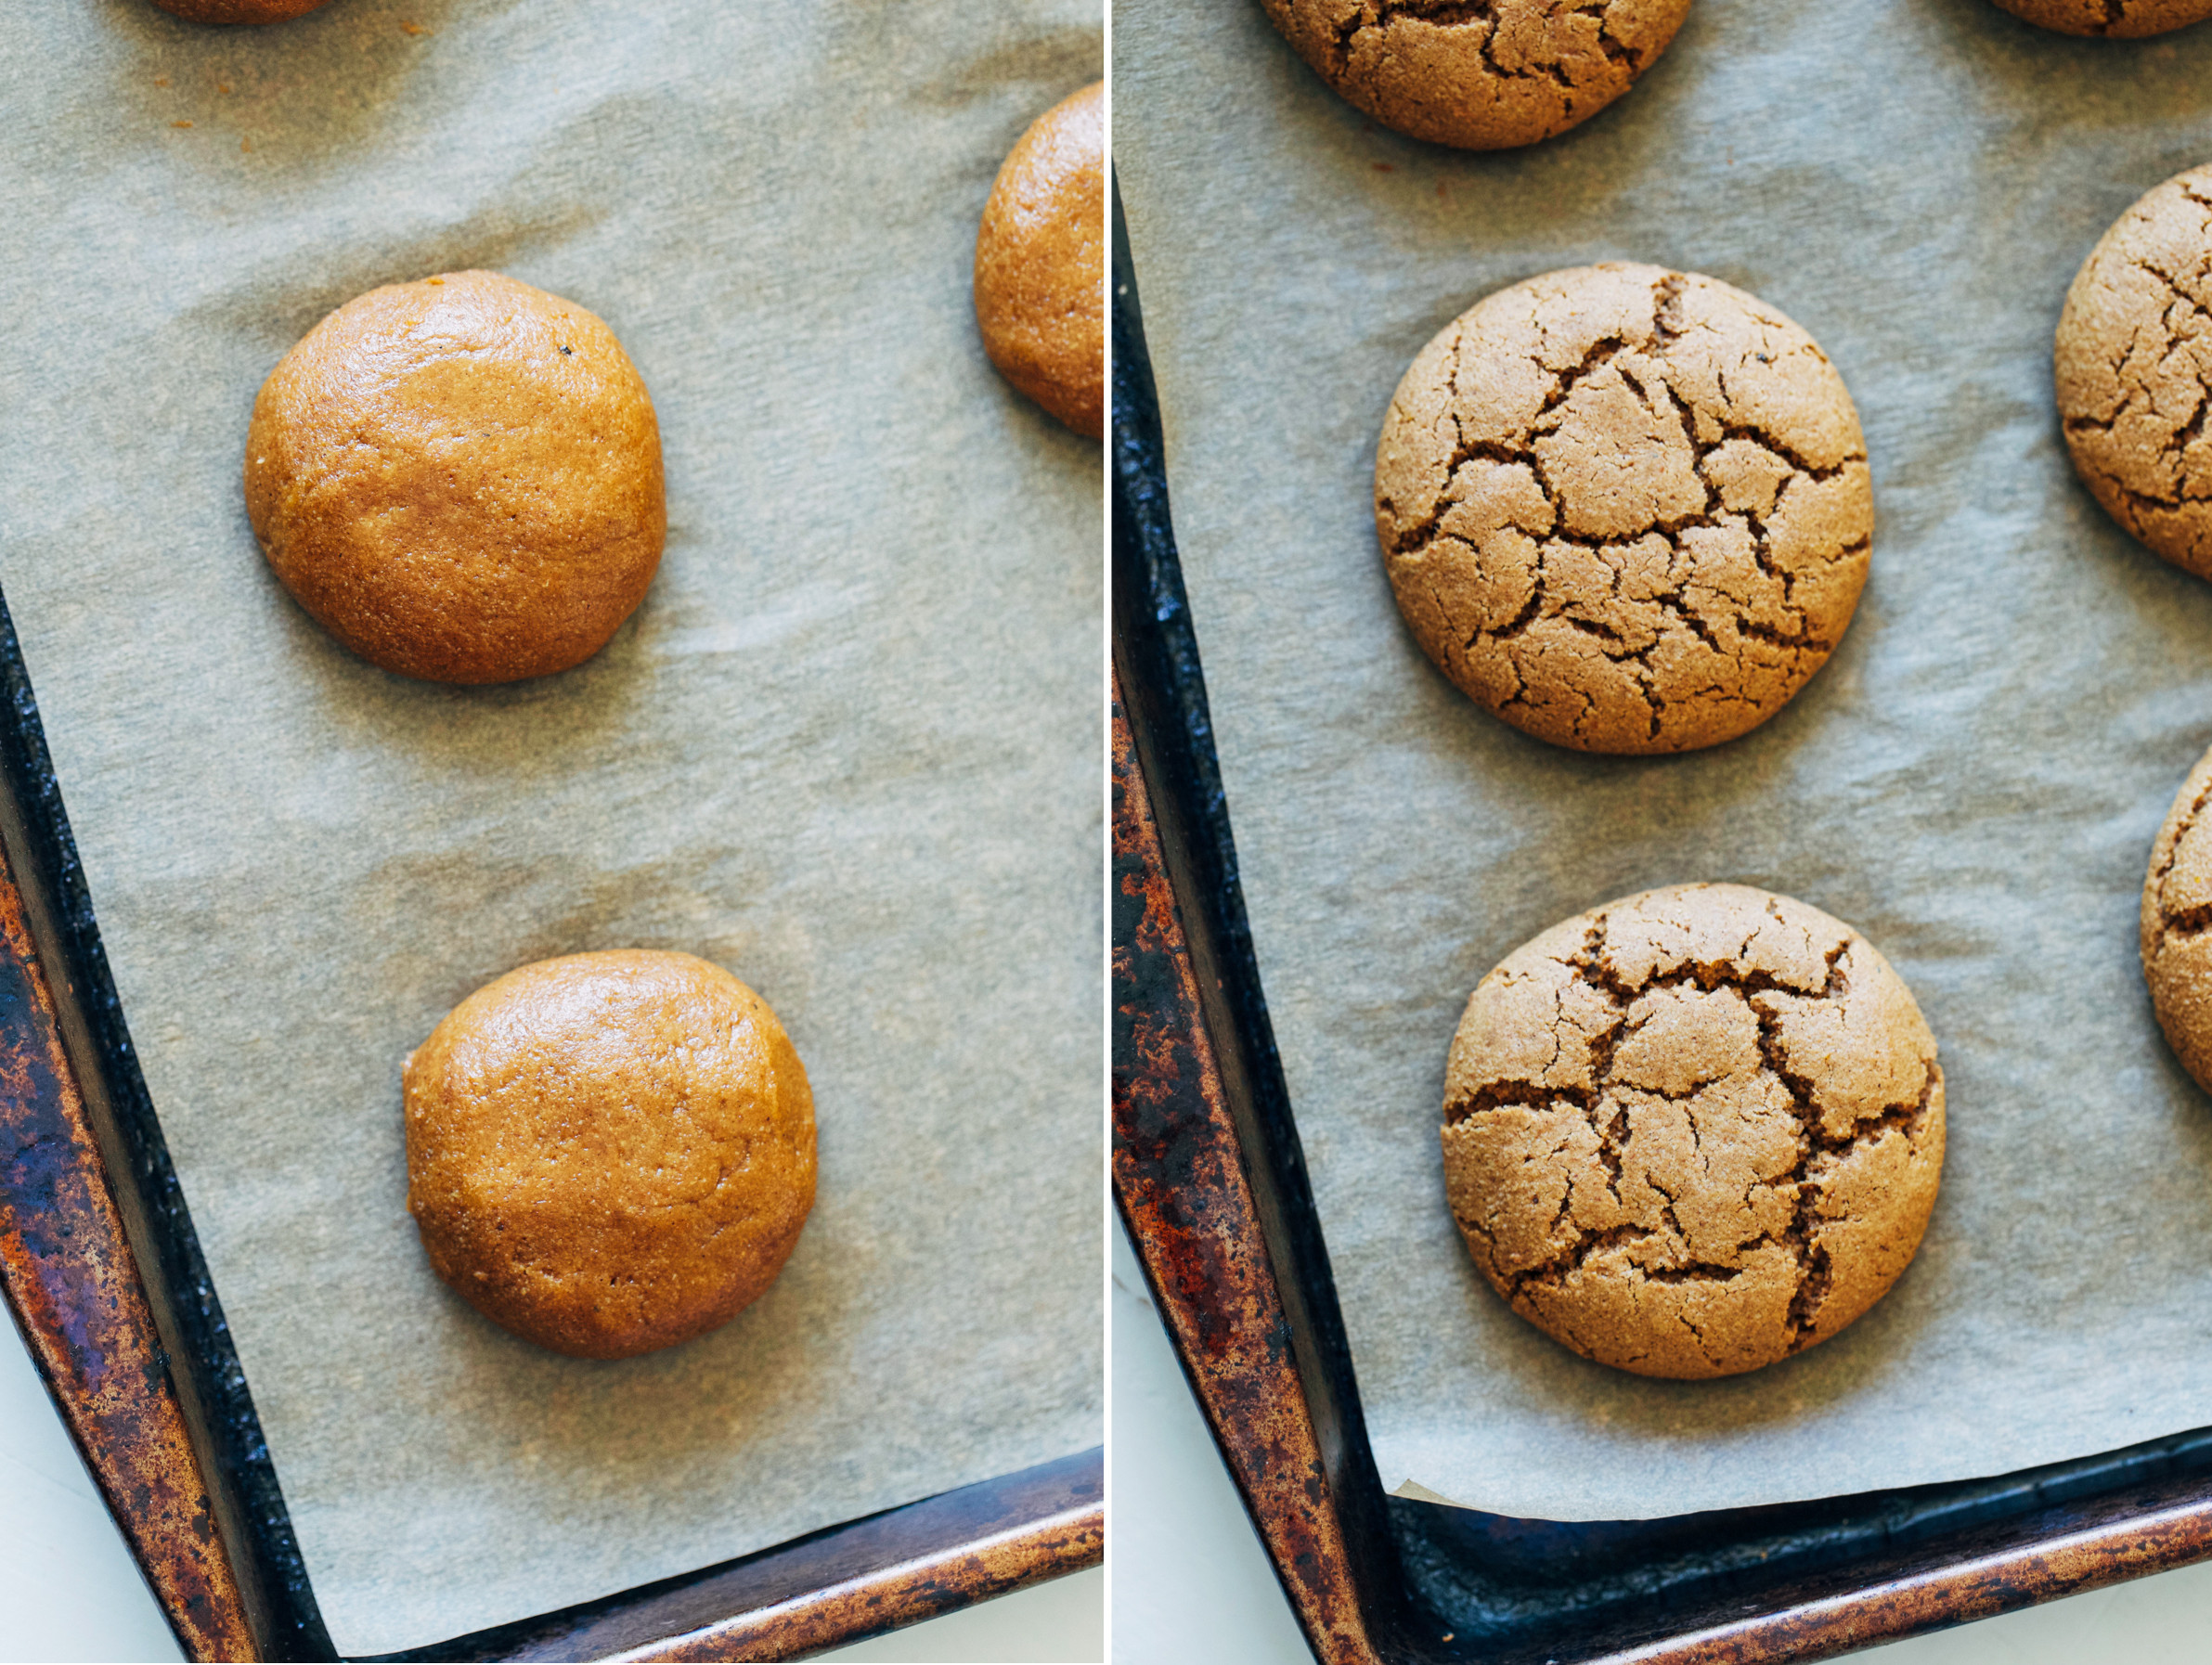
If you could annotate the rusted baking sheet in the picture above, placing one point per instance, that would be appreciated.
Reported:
(75, 1292)
(1179, 1180)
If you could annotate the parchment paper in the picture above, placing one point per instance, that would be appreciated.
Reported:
(849, 747)
(1973, 780)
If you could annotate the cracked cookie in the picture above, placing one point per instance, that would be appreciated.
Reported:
(1041, 262)
(1626, 509)
(2118, 19)
(2134, 371)
(1480, 74)
(2176, 924)
(1694, 1131)
(239, 11)
(460, 479)
(608, 1153)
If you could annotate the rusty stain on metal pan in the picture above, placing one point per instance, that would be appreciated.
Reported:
(75, 1293)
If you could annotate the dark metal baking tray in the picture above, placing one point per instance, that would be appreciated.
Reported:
(1212, 1188)
(105, 1277)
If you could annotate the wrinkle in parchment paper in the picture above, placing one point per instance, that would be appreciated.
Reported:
(848, 748)
(1973, 780)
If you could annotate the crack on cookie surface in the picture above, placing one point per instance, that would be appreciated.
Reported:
(1671, 1219)
(1657, 550)
(2134, 371)
(1480, 74)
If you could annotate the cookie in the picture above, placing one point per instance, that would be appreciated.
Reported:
(1693, 1132)
(1626, 509)
(2119, 18)
(1482, 77)
(608, 1153)
(460, 479)
(239, 11)
(2134, 371)
(1041, 262)
(2176, 924)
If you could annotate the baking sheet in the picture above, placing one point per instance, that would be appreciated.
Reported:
(1974, 779)
(848, 748)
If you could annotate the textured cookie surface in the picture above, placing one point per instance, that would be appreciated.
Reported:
(1041, 262)
(239, 11)
(2119, 18)
(460, 479)
(1486, 76)
(2176, 924)
(608, 1153)
(1694, 1131)
(2134, 371)
(1626, 509)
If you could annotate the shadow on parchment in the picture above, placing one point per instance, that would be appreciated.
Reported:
(1425, 192)
(238, 97)
(752, 1381)
(2050, 80)
(522, 731)
(1056, 63)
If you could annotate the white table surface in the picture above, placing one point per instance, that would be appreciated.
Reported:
(70, 1590)
(1192, 1586)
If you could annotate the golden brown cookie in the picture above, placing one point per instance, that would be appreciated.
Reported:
(2119, 18)
(239, 11)
(1626, 509)
(2176, 924)
(1693, 1132)
(1041, 262)
(1482, 77)
(2134, 371)
(459, 478)
(608, 1153)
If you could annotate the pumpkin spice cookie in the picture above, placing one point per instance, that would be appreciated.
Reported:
(460, 479)
(2176, 924)
(2134, 371)
(1626, 509)
(1041, 262)
(1484, 77)
(608, 1153)
(2119, 18)
(1693, 1132)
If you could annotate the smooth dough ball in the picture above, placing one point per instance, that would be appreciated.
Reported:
(2124, 20)
(1694, 1131)
(2134, 371)
(239, 11)
(1626, 510)
(460, 479)
(1041, 262)
(1480, 77)
(608, 1153)
(2176, 924)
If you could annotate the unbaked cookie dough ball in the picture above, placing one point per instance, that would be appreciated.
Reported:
(460, 479)
(2134, 371)
(2119, 18)
(1693, 1132)
(2176, 924)
(1041, 262)
(608, 1153)
(1626, 509)
(239, 11)
(1481, 77)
